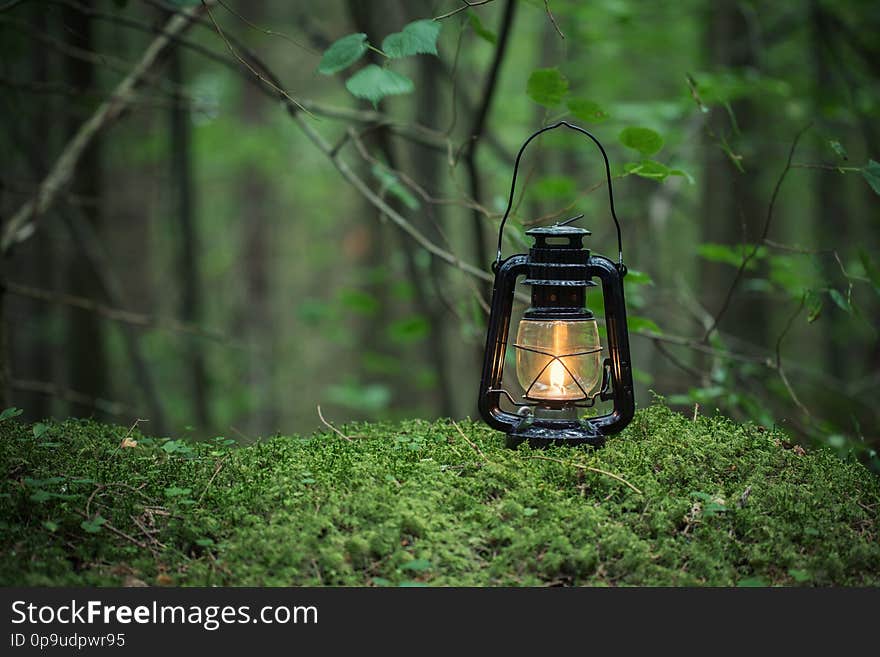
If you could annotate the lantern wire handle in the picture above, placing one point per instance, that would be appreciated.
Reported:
(576, 128)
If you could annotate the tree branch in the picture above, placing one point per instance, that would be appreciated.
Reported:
(21, 225)
(768, 220)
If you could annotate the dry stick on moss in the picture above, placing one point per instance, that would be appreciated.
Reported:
(331, 427)
(591, 469)
(469, 441)
(20, 226)
(217, 469)
(118, 532)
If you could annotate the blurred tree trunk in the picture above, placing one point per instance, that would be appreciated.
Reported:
(363, 15)
(428, 169)
(832, 218)
(31, 357)
(188, 256)
(256, 320)
(733, 209)
(87, 359)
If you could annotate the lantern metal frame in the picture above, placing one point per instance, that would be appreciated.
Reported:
(559, 270)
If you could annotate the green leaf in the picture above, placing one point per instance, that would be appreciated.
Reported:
(40, 429)
(51, 525)
(374, 83)
(871, 172)
(359, 301)
(872, 270)
(41, 496)
(799, 575)
(814, 306)
(409, 329)
(636, 277)
(205, 542)
(481, 30)
(417, 565)
(547, 86)
(175, 491)
(586, 110)
(647, 169)
(732, 255)
(840, 300)
(391, 183)
(644, 140)
(343, 53)
(417, 38)
(838, 149)
(10, 412)
(93, 526)
(635, 323)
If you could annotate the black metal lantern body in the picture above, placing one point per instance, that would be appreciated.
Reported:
(558, 353)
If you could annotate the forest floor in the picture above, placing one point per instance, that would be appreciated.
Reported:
(671, 501)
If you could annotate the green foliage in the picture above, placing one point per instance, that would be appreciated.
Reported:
(644, 140)
(9, 413)
(375, 83)
(547, 87)
(654, 170)
(720, 504)
(872, 269)
(392, 185)
(586, 110)
(732, 255)
(417, 38)
(409, 329)
(481, 30)
(343, 53)
(871, 173)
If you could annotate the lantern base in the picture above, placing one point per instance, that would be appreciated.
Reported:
(546, 433)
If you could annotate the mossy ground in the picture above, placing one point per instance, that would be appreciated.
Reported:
(719, 503)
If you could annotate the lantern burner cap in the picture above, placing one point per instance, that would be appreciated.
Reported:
(558, 231)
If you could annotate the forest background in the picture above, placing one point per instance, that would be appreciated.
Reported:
(219, 216)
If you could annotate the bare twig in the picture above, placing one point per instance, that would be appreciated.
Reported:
(118, 532)
(778, 363)
(53, 390)
(591, 469)
(217, 469)
(552, 19)
(331, 427)
(267, 31)
(467, 5)
(468, 440)
(117, 314)
(768, 220)
(269, 83)
(20, 226)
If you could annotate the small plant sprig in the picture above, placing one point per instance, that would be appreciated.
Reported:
(374, 82)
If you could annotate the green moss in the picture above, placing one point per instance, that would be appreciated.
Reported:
(719, 503)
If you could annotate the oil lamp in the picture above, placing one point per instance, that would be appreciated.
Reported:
(560, 362)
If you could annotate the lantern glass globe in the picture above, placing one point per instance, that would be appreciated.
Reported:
(558, 360)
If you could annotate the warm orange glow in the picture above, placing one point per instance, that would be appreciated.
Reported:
(555, 356)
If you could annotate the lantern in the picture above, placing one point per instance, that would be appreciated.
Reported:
(561, 364)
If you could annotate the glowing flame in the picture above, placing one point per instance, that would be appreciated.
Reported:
(557, 376)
